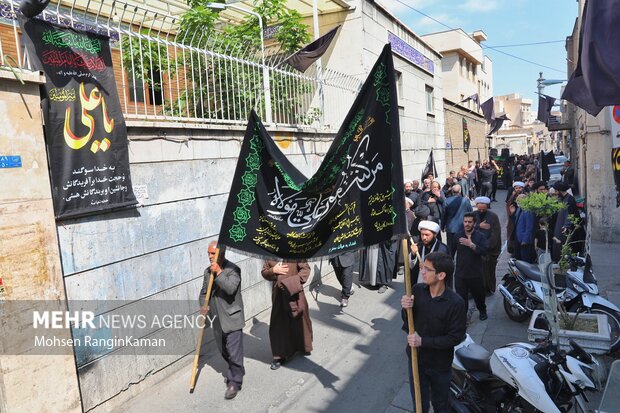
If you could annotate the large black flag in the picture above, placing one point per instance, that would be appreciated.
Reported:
(312, 52)
(466, 137)
(354, 200)
(84, 126)
(595, 83)
(545, 103)
(429, 168)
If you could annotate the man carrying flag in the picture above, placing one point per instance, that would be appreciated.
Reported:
(440, 315)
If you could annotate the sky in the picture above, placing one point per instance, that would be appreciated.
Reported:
(505, 22)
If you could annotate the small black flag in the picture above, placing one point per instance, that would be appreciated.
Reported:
(546, 160)
(497, 123)
(545, 103)
(312, 52)
(488, 110)
(474, 98)
(430, 167)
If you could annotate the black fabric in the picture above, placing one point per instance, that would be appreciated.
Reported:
(312, 52)
(354, 200)
(434, 387)
(488, 110)
(497, 123)
(85, 131)
(545, 103)
(475, 286)
(466, 137)
(547, 159)
(595, 83)
(429, 168)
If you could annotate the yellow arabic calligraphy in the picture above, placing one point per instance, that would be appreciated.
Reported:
(360, 129)
(89, 103)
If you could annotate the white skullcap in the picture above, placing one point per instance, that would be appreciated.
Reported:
(429, 225)
(482, 200)
(518, 183)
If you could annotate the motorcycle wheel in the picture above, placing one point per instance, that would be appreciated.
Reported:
(613, 318)
(517, 291)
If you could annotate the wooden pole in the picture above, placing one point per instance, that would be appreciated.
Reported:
(192, 381)
(414, 351)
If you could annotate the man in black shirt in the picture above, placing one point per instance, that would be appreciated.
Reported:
(471, 246)
(440, 316)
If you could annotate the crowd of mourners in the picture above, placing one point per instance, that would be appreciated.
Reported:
(453, 247)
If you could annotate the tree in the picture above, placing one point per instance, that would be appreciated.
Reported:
(227, 86)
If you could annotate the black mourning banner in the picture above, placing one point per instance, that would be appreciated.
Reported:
(354, 200)
(430, 168)
(466, 137)
(84, 126)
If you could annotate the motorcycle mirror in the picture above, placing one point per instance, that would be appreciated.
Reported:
(542, 323)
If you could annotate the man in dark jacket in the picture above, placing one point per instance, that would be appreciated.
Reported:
(440, 319)
(225, 308)
(471, 246)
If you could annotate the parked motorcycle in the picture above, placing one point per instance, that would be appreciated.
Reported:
(522, 378)
(578, 292)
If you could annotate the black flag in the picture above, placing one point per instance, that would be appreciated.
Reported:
(466, 137)
(354, 200)
(430, 167)
(312, 52)
(497, 123)
(85, 130)
(595, 83)
(545, 103)
(545, 161)
(488, 110)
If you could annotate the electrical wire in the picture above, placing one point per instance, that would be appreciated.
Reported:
(483, 46)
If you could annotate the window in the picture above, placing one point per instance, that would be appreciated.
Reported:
(399, 85)
(138, 87)
(429, 99)
(463, 67)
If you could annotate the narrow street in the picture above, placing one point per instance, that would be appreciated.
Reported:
(358, 362)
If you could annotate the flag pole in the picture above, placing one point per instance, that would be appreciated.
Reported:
(414, 351)
(192, 381)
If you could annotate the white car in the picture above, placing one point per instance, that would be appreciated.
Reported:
(560, 158)
(554, 173)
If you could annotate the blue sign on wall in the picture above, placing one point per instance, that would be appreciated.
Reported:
(10, 161)
(407, 51)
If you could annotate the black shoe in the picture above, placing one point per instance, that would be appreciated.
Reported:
(276, 364)
(231, 392)
(483, 316)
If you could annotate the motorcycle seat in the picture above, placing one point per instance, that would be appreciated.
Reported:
(531, 271)
(474, 357)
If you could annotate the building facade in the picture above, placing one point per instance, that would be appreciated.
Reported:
(589, 143)
(366, 27)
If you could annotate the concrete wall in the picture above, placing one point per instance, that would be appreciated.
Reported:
(29, 265)
(159, 250)
(477, 127)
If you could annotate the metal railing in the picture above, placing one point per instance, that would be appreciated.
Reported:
(163, 76)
